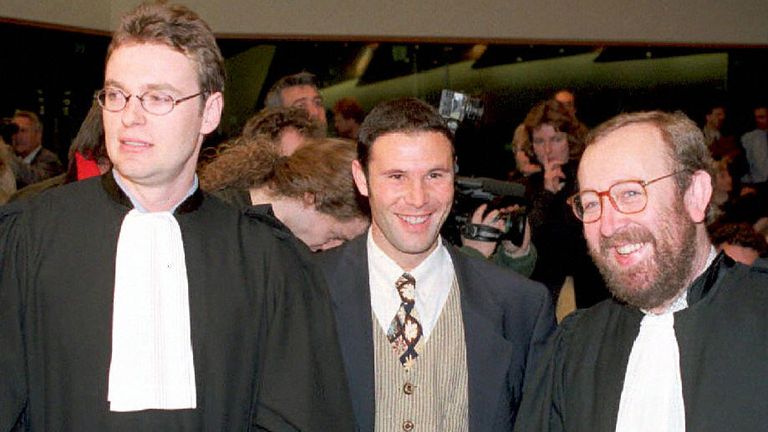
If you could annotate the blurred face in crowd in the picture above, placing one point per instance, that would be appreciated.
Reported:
(568, 100)
(409, 184)
(149, 150)
(716, 118)
(761, 118)
(345, 127)
(28, 138)
(646, 257)
(306, 97)
(550, 145)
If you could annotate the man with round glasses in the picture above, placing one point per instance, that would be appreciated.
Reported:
(136, 302)
(682, 345)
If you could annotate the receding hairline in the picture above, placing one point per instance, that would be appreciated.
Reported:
(648, 126)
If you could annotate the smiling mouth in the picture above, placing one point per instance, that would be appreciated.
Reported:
(135, 143)
(629, 248)
(414, 220)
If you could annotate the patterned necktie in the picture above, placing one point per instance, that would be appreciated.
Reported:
(405, 331)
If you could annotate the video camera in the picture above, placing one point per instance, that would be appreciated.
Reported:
(470, 193)
(456, 107)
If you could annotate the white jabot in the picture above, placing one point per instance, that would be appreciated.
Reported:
(652, 397)
(434, 278)
(152, 365)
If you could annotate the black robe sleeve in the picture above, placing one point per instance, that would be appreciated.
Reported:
(541, 407)
(302, 382)
(13, 387)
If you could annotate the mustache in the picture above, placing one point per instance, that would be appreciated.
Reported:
(625, 236)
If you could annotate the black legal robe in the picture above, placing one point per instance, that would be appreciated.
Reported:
(723, 341)
(263, 335)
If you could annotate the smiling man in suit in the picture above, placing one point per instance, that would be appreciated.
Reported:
(431, 339)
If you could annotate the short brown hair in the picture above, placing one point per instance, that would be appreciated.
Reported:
(272, 122)
(179, 28)
(398, 115)
(322, 167)
(274, 96)
(349, 108)
(684, 140)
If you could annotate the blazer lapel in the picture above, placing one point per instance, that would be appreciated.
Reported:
(488, 353)
(352, 300)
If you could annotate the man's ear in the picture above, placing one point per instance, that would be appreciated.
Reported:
(698, 195)
(212, 113)
(359, 175)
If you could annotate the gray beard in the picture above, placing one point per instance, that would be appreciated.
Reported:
(660, 278)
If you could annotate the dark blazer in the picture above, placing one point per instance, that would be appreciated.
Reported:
(506, 321)
(45, 165)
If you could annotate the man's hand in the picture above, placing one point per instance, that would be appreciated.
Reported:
(515, 251)
(491, 219)
(495, 218)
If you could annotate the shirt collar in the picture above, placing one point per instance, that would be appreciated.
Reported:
(434, 277)
(681, 302)
(121, 184)
(31, 156)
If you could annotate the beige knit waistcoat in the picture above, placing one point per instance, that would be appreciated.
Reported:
(432, 394)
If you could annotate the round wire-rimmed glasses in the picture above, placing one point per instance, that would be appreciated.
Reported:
(154, 101)
(628, 197)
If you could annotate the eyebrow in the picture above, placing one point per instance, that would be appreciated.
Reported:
(145, 88)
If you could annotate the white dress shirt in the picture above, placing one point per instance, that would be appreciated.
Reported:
(434, 277)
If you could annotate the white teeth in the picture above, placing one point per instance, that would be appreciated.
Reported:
(628, 249)
(134, 144)
(414, 220)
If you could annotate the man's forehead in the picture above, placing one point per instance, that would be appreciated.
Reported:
(149, 65)
(632, 152)
(411, 144)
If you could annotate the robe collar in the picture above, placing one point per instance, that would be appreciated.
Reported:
(703, 284)
(192, 203)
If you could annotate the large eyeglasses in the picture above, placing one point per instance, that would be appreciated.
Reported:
(626, 197)
(154, 101)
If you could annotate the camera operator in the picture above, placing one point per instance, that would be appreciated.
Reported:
(501, 251)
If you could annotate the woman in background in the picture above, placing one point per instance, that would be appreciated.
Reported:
(311, 191)
(554, 140)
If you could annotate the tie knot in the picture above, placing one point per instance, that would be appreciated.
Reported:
(406, 287)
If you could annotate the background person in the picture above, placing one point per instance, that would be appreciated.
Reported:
(311, 191)
(299, 90)
(29, 160)
(555, 141)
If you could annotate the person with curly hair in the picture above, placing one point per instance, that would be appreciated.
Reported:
(310, 191)
(554, 140)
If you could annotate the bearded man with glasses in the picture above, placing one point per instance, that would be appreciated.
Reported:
(682, 345)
